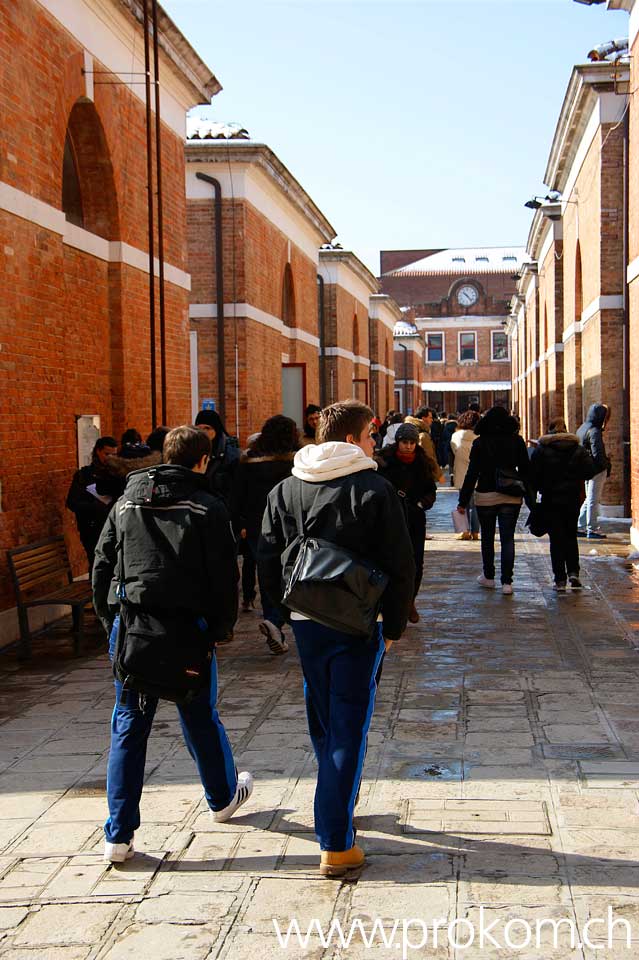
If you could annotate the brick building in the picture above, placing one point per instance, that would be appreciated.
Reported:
(359, 331)
(569, 319)
(271, 233)
(459, 301)
(409, 367)
(74, 313)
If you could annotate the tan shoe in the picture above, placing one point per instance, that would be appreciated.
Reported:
(342, 863)
(475, 536)
(465, 536)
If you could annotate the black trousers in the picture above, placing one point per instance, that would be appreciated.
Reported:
(564, 547)
(416, 522)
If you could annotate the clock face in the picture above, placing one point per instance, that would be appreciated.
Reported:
(467, 295)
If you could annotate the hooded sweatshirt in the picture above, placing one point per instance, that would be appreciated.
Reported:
(590, 435)
(559, 466)
(341, 498)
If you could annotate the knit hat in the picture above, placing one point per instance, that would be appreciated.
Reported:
(407, 431)
(211, 418)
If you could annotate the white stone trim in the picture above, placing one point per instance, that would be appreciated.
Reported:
(417, 348)
(411, 383)
(633, 269)
(338, 273)
(380, 368)
(22, 205)
(553, 348)
(208, 311)
(86, 241)
(452, 323)
(346, 355)
(634, 537)
(463, 386)
(571, 331)
(88, 75)
(605, 302)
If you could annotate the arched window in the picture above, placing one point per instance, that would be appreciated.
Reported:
(288, 297)
(88, 198)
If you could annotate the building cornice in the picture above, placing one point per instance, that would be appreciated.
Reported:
(586, 83)
(352, 262)
(178, 49)
(379, 301)
(262, 157)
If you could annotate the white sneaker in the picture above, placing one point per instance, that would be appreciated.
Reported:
(507, 589)
(274, 637)
(485, 582)
(117, 852)
(243, 791)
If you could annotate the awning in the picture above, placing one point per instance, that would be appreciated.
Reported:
(466, 386)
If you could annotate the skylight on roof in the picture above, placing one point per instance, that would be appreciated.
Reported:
(509, 258)
(459, 259)
(481, 259)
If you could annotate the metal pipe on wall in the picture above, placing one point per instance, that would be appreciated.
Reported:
(158, 174)
(149, 177)
(219, 286)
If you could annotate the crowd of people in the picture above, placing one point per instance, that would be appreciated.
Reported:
(330, 523)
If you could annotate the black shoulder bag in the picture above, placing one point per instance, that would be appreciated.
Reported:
(331, 585)
(160, 653)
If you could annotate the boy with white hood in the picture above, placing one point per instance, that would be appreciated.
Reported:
(346, 502)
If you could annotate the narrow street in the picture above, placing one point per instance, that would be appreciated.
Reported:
(502, 770)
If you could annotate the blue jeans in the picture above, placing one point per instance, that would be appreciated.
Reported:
(269, 612)
(589, 513)
(131, 723)
(473, 519)
(506, 515)
(340, 683)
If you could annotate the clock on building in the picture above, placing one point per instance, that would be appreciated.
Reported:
(467, 295)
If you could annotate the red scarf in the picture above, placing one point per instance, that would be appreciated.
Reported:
(406, 457)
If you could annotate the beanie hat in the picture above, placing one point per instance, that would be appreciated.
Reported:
(407, 431)
(211, 418)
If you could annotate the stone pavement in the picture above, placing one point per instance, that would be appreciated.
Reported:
(502, 772)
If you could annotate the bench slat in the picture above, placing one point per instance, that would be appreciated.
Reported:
(26, 562)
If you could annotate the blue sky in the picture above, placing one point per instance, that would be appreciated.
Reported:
(411, 124)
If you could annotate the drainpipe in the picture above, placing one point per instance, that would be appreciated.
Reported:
(322, 340)
(219, 285)
(158, 174)
(149, 187)
(405, 349)
(627, 498)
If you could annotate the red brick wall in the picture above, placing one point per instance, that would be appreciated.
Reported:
(74, 328)
(634, 286)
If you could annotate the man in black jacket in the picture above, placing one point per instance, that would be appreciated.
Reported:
(591, 437)
(86, 499)
(168, 543)
(340, 498)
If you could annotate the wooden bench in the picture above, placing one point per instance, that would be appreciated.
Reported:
(42, 577)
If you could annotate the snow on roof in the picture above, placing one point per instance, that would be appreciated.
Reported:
(198, 128)
(466, 260)
(405, 329)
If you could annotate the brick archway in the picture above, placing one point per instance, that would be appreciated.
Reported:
(88, 189)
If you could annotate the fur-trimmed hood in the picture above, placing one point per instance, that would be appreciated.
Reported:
(122, 466)
(568, 439)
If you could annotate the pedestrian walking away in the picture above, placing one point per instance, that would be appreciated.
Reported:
(269, 461)
(168, 552)
(591, 437)
(460, 444)
(405, 466)
(499, 469)
(559, 466)
(336, 494)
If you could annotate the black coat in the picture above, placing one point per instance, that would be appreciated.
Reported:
(222, 468)
(413, 480)
(254, 479)
(171, 543)
(590, 435)
(559, 466)
(90, 512)
(498, 446)
(360, 512)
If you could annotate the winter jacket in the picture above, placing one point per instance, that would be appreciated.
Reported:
(90, 511)
(590, 435)
(345, 501)
(427, 445)
(254, 480)
(114, 477)
(460, 444)
(443, 447)
(412, 480)
(221, 471)
(171, 543)
(498, 445)
(559, 466)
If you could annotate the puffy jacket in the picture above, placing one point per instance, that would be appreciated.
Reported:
(414, 479)
(590, 435)
(559, 466)
(359, 511)
(254, 480)
(498, 445)
(460, 444)
(171, 543)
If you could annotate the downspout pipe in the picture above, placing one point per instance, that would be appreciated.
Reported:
(322, 340)
(626, 327)
(219, 291)
(158, 175)
(149, 187)
(405, 349)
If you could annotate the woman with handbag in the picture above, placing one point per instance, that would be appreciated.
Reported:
(405, 465)
(499, 469)
(560, 465)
